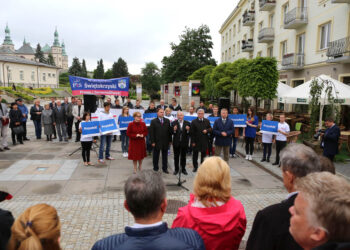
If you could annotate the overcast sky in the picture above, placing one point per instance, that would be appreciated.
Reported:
(139, 31)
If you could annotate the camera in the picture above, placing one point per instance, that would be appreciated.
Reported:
(318, 133)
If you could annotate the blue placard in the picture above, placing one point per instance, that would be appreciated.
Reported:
(124, 122)
(239, 121)
(89, 129)
(189, 118)
(148, 117)
(269, 127)
(108, 126)
(212, 120)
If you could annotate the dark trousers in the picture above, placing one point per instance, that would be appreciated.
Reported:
(330, 157)
(279, 146)
(195, 157)
(156, 153)
(180, 154)
(267, 150)
(19, 137)
(148, 143)
(233, 145)
(24, 124)
(249, 145)
(77, 131)
(70, 126)
(85, 150)
(37, 125)
(210, 144)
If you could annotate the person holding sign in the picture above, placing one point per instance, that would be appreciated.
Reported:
(267, 139)
(78, 111)
(124, 138)
(137, 131)
(250, 132)
(235, 136)
(223, 130)
(214, 113)
(86, 142)
(281, 138)
(107, 138)
(151, 109)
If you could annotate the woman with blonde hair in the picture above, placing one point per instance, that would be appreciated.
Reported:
(212, 211)
(37, 228)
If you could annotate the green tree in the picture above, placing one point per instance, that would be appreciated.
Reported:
(75, 69)
(151, 78)
(64, 79)
(108, 74)
(50, 60)
(39, 55)
(192, 53)
(120, 68)
(83, 69)
(257, 78)
(99, 71)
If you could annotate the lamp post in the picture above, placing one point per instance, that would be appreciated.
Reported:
(8, 76)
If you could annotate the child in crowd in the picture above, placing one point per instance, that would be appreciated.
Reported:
(86, 142)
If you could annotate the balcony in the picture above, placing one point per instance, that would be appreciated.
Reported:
(339, 51)
(266, 35)
(293, 61)
(249, 18)
(295, 18)
(340, 1)
(247, 45)
(267, 5)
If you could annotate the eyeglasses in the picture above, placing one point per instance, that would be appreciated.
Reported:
(138, 116)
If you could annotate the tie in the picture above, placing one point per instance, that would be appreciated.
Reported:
(161, 121)
(79, 110)
(224, 121)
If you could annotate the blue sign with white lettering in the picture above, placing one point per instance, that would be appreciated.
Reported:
(89, 129)
(239, 121)
(212, 120)
(189, 118)
(148, 117)
(108, 126)
(124, 122)
(269, 127)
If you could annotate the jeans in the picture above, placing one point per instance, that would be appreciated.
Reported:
(37, 125)
(105, 139)
(267, 150)
(279, 146)
(249, 145)
(156, 153)
(86, 147)
(125, 141)
(233, 145)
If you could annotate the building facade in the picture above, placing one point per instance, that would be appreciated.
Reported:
(57, 50)
(307, 37)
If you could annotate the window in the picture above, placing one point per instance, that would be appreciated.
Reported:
(33, 76)
(283, 48)
(9, 74)
(222, 57)
(285, 8)
(270, 52)
(245, 37)
(226, 38)
(251, 33)
(225, 55)
(301, 43)
(44, 77)
(258, 54)
(234, 30)
(271, 20)
(260, 25)
(53, 75)
(49, 74)
(324, 30)
(234, 50)
(21, 75)
(238, 47)
(239, 25)
(223, 39)
(229, 53)
(230, 35)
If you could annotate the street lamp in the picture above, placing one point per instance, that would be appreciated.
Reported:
(8, 76)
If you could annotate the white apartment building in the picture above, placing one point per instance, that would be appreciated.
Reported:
(307, 37)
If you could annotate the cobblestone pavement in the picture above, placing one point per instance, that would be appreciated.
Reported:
(90, 200)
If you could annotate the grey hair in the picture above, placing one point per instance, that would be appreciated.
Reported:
(144, 193)
(300, 160)
(200, 110)
(179, 112)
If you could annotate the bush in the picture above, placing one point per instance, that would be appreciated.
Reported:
(155, 96)
(17, 93)
(3, 101)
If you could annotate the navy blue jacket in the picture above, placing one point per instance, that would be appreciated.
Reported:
(220, 127)
(152, 238)
(330, 140)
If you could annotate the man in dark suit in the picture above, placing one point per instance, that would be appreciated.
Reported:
(160, 135)
(223, 130)
(162, 105)
(330, 139)
(181, 131)
(60, 120)
(145, 199)
(202, 106)
(174, 106)
(271, 225)
(200, 130)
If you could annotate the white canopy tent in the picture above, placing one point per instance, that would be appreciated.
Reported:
(282, 89)
(301, 94)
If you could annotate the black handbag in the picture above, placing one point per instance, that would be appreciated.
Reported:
(18, 130)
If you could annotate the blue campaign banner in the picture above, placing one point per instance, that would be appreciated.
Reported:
(87, 86)
(108, 126)
(124, 122)
(148, 117)
(239, 121)
(212, 120)
(89, 129)
(269, 127)
(189, 118)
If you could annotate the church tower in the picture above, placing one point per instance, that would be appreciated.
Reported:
(64, 57)
(56, 50)
(7, 41)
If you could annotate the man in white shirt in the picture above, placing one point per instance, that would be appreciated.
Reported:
(281, 138)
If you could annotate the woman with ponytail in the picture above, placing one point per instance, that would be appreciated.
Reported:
(37, 228)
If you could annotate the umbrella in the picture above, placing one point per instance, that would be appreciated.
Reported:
(282, 89)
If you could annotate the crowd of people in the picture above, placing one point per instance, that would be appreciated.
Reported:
(314, 215)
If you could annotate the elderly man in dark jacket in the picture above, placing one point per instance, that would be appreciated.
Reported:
(223, 130)
(160, 135)
(60, 121)
(330, 139)
(145, 199)
(200, 129)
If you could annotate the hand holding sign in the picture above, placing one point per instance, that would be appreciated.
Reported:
(269, 127)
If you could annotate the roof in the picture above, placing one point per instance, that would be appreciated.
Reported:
(5, 50)
(229, 18)
(46, 48)
(20, 60)
(25, 49)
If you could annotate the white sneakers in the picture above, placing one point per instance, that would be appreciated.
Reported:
(249, 157)
(125, 154)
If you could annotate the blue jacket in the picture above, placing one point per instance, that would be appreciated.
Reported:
(250, 131)
(152, 238)
(330, 140)
(24, 110)
(220, 127)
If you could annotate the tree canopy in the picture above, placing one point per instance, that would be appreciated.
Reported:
(120, 68)
(150, 78)
(75, 69)
(50, 60)
(39, 54)
(99, 71)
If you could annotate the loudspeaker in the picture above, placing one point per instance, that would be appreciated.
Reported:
(90, 103)
(224, 103)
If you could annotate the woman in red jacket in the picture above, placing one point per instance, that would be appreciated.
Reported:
(212, 211)
(137, 132)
